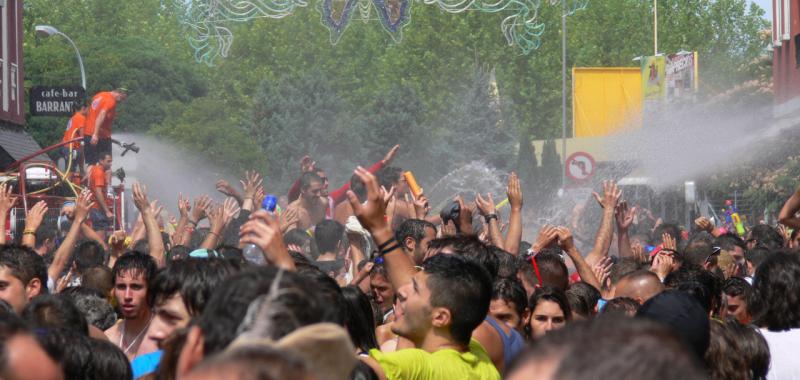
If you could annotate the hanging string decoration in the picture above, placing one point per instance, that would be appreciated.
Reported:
(207, 20)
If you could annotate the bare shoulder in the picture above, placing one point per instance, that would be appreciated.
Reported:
(113, 332)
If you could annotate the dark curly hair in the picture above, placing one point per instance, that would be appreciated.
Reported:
(775, 302)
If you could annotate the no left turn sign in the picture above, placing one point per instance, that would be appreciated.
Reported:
(580, 166)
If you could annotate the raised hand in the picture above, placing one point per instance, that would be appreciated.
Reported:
(602, 270)
(485, 205)
(448, 229)
(624, 216)
(371, 213)
(389, 157)
(307, 164)
(289, 219)
(229, 210)
(184, 206)
(140, 198)
(251, 183)
(7, 200)
(225, 187)
(565, 240)
(704, 224)
(662, 265)
(669, 243)
(259, 196)
(264, 231)
(465, 216)
(638, 253)
(35, 216)
(514, 192)
(546, 236)
(421, 206)
(82, 206)
(201, 205)
(611, 195)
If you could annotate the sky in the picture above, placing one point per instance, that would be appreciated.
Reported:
(766, 5)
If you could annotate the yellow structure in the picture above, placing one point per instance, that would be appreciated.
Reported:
(606, 100)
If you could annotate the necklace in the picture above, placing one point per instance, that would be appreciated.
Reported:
(122, 336)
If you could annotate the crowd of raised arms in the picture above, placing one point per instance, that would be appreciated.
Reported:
(365, 282)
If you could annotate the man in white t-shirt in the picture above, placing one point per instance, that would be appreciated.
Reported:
(776, 305)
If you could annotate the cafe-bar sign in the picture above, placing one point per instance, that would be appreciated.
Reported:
(55, 100)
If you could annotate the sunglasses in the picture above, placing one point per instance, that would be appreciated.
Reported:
(714, 252)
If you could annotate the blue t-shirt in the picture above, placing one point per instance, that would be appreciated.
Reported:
(146, 364)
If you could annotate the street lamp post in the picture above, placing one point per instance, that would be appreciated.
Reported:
(45, 31)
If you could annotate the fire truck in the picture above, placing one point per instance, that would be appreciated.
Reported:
(35, 178)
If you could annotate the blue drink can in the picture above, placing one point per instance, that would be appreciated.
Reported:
(269, 203)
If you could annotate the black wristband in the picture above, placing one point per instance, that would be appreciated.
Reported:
(489, 217)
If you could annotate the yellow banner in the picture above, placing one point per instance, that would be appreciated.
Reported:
(606, 100)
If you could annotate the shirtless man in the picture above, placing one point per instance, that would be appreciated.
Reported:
(310, 207)
(132, 275)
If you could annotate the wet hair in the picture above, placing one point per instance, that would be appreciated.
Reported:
(50, 311)
(24, 264)
(301, 263)
(256, 362)
(775, 302)
(766, 236)
(413, 228)
(300, 238)
(737, 286)
(471, 248)
(328, 234)
(294, 296)
(705, 286)
(178, 252)
(587, 295)
(137, 263)
(668, 228)
(510, 290)
(193, 279)
(723, 357)
(729, 242)
(108, 361)
(88, 254)
(621, 268)
(552, 294)
(231, 254)
(697, 253)
(461, 286)
(507, 265)
(757, 255)
(93, 305)
(307, 178)
(98, 278)
(363, 372)
(627, 348)
(69, 348)
(329, 292)
(45, 232)
(552, 269)
(754, 348)
(359, 319)
(620, 306)
(389, 176)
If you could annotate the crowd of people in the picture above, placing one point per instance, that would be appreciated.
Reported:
(366, 282)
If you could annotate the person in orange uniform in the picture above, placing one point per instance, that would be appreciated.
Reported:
(97, 132)
(100, 214)
(74, 129)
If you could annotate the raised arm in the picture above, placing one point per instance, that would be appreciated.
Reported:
(611, 195)
(340, 194)
(7, 201)
(567, 244)
(624, 218)
(225, 187)
(489, 214)
(371, 215)
(183, 209)
(788, 214)
(32, 222)
(263, 230)
(219, 217)
(64, 251)
(198, 213)
(251, 183)
(514, 235)
(154, 239)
